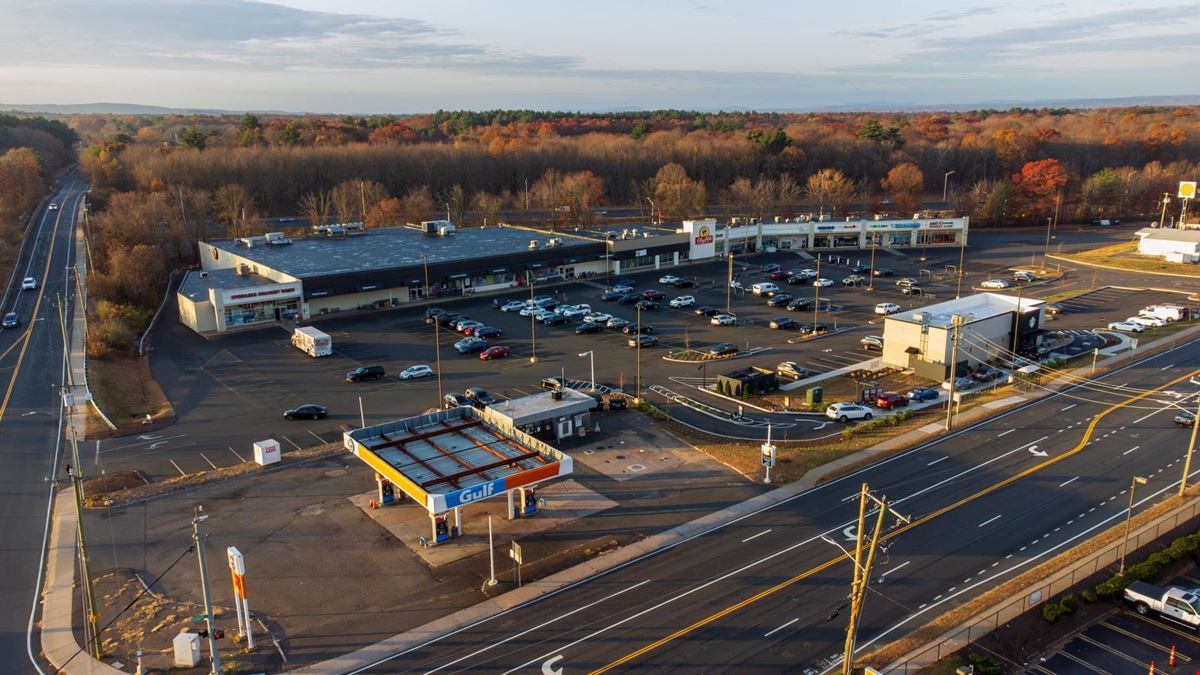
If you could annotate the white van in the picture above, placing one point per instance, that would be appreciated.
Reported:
(763, 288)
(1166, 312)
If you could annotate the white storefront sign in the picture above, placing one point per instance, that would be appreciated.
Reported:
(245, 296)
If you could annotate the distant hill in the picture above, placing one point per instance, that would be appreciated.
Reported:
(117, 109)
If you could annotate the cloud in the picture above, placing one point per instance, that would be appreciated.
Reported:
(238, 33)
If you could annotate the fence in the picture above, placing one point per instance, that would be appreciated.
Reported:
(1036, 593)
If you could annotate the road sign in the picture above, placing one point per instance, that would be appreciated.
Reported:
(198, 619)
(1187, 189)
(514, 552)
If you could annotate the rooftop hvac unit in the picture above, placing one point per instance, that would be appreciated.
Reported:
(242, 270)
(277, 238)
(445, 230)
(779, 219)
(921, 317)
(251, 242)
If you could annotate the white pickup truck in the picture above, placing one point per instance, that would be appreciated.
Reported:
(1175, 603)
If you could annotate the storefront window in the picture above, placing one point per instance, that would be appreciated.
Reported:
(846, 241)
(899, 239)
(242, 315)
(936, 238)
(823, 241)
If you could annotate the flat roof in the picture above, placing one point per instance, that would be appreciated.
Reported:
(537, 407)
(451, 457)
(1168, 234)
(630, 230)
(196, 286)
(392, 247)
(979, 306)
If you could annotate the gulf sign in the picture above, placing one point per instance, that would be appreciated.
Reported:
(438, 503)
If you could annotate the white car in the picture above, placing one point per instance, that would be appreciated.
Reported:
(597, 317)
(573, 312)
(52, 207)
(823, 282)
(512, 306)
(886, 308)
(669, 280)
(1148, 321)
(735, 284)
(415, 372)
(1127, 326)
(28, 284)
(542, 314)
(723, 320)
(844, 412)
(683, 301)
(806, 274)
(996, 283)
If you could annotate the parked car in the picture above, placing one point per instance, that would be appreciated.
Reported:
(1023, 275)
(1147, 321)
(723, 320)
(11, 320)
(706, 310)
(1052, 308)
(795, 280)
(779, 300)
(364, 373)
(959, 383)
(487, 332)
(543, 314)
(907, 281)
(433, 313)
(494, 352)
(460, 320)
(889, 400)
(308, 411)
(1185, 418)
(844, 412)
(545, 302)
(416, 372)
(996, 284)
(497, 303)
(668, 280)
(872, 342)
(823, 282)
(609, 296)
(631, 328)
(771, 267)
(790, 369)
(647, 305)
(1127, 326)
(589, 327)
(723, 349)
(28, 284)
(616, 323)
(764, 288)
(625, 283)
(653, 294)
(800, 304)
(597, 317)
(479, 396)
(573, 311)
(922, 394)
(555, 319)
(854, 280)
(985, 374)
(682, 283)
(887, 308)
(912, 290)
(455, 400)
(512, 306)
(683, 301)
(883, 272)
(643, 340)
(783, 323)
(629, 299)
(470, 328)
(806, 273)
(860, 268)
(471, 345)
(778, 275)
(813, 328)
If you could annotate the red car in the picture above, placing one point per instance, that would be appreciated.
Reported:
(653, 294)
(497, 352)
(779, 275)
(889, 400)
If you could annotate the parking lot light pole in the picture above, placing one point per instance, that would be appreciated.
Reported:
(962, 251)
(1137, 480)
(871, 278)
(532, 322)
(945, 184)
(817, 293)
(729, 281)
(491, 554)
(1187, 462)
(591, 354)
(437, 350)
(425, 258)
(637, 396)
(1046, 250)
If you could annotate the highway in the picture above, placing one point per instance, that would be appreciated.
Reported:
(767, 593)
(31, 375)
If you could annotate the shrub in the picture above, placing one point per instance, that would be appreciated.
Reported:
(1089, 595)
(847, 433)
(1068, 604)
(984, 665)
(1052, 612)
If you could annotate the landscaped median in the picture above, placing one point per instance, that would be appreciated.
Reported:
(1125, 256)
(700, 356)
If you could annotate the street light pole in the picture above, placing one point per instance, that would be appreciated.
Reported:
(945, 184)
(532, 322)
(437, 350)
(491, 554)
(953, 373)
(729, 281)
(962, 252)
(871, 280)
(1187, 462)
(637, 396)
(817, 293)
(1137, 480)
(1163, 216)
(1046, 251)
(198, 542)
(591, 354)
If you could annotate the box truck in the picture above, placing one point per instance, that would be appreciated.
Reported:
(312, 341)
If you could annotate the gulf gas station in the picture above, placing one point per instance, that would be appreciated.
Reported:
(446, 460)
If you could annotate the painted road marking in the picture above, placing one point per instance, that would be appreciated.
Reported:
(989, 520)
(935, 461)
(210, 462)
(1148, 416)
(291, 441)
(1069, 481)
(1167, 367)
(755, 536)
(884, 575)
(776, 630)
(1033, 450)
(235, 454)
(1006, 433)
(1129, 451)
(322, 440)
(181, 473)
(1068, 407)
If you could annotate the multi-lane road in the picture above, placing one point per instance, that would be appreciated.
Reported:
(31, 378)
(767, 593)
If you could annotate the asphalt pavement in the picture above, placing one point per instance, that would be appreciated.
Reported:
(32, 366)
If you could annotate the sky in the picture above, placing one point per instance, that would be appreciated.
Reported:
(396, 56)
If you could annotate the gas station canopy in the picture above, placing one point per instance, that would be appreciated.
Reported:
(454, 457)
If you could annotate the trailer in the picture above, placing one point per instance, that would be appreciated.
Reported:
(313, 342)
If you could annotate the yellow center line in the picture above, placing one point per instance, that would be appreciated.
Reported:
(894, 533)
(27, 336)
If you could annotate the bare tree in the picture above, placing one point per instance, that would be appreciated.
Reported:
(316, 206)
(830, 188)
(232, 204)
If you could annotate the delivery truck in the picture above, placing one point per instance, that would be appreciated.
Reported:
(312, 341)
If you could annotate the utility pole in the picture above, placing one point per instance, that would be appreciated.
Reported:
(862, 569)
(1017, 324)
(962, 251)
(362, 195)
(1046, 251)
(953, 373)
(491, 555)
(198, 541)
(532, 321)
(816, 293)
(871, 280)
(637, 397)
(729, 281)
(1187, 462)
(437, 350)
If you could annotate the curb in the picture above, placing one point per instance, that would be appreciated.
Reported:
(1124, 269)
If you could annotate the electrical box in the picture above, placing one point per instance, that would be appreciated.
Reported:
(814, 395)
(266, 452)
(187, 649)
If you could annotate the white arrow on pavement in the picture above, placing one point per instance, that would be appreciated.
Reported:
(148, 437)
(1037, 453)
(849, 533)
(548, 666)
(155, 446)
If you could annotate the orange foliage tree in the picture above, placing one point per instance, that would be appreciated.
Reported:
(903, 185)
(1041, 183)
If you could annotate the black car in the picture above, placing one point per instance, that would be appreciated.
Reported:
(629, 299)
(796, 281)
(448, 318)
(779, 300)
(625, 283)
(859, 268)
(432, 313)
(455, 400)
(684, 283)
(609, 296)
(487, 332)
(912, 290)
(647, 305)
(555, 320)
(11, 320)
(872, 342)
(589, 327)
(783, 322)
(642, 340)
(883, 272)
(706, 310)
(813, 328)
(479, 397)
(310, 411)
(800, 304)
(630, 329)
(362, 373)
(723, 349)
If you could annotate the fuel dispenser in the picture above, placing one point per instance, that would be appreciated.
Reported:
(441, 530)
(528, 502)
(386, 491)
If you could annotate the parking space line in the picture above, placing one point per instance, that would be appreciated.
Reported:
(291, 441)
(210, 462)
(235, 454)
(181, 472)
(1190, 637)
(1110, 650)
(322, 440)
(1144, 640)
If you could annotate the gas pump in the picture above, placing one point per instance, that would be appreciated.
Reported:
(528, 502)
(441, 531)
(386, 491)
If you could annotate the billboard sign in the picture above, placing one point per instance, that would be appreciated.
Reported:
(702, 239)
(1187, 189)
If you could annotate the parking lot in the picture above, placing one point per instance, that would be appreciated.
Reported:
(232, 390)
(1124, 642)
